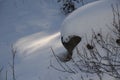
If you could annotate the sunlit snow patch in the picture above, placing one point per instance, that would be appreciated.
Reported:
(34, 42)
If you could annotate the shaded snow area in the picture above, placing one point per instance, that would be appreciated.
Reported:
(32, 28)
(21, 18)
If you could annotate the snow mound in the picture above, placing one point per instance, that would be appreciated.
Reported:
(94, 16)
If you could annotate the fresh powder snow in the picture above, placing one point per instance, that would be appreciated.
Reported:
(33, 27)
(95, 16)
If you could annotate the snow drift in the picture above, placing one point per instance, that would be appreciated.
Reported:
(97, 17)
(93, 16)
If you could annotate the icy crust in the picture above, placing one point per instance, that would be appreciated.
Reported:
(94, 16)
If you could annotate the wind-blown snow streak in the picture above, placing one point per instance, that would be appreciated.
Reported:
(32, 43)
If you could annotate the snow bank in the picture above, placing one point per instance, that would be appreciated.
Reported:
(93, 16)
(35, 24)
(96, 16)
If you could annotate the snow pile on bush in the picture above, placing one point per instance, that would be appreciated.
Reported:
(93, 16)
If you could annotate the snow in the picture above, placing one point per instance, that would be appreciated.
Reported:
(83, 76)
(33, 42)
(26, 19)
(92, 17)
(33, 27)
(96, 16)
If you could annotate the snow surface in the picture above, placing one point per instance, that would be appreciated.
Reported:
(96, 16)
(92, 17)
(33, 27)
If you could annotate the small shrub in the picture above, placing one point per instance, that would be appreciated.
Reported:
(68, 6)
